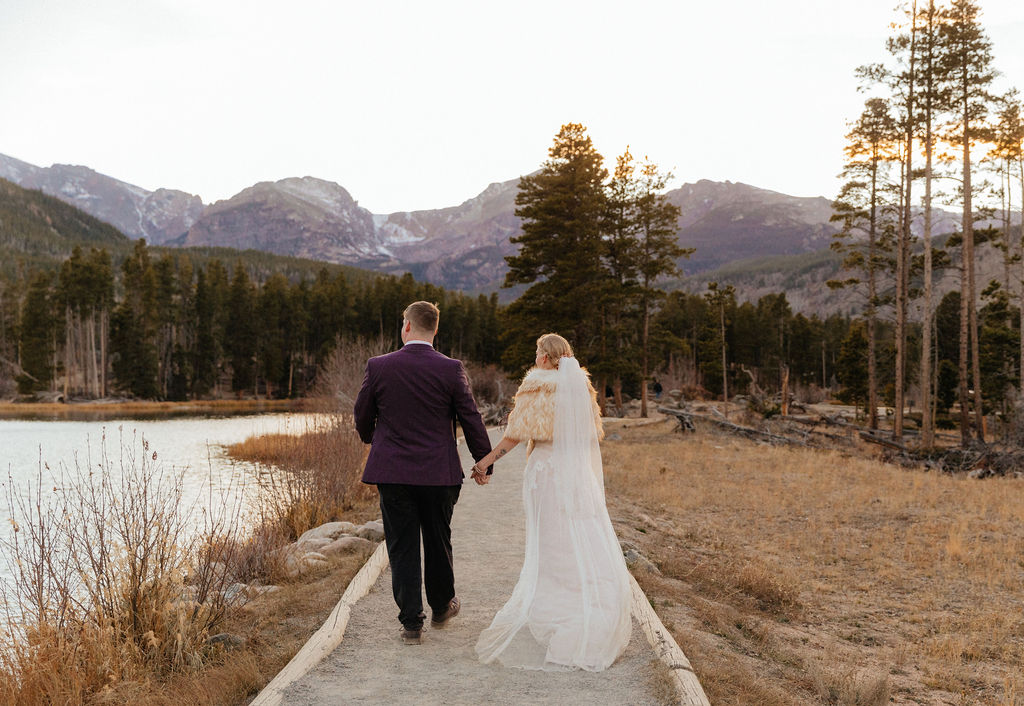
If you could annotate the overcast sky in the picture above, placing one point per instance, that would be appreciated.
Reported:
(417, 104)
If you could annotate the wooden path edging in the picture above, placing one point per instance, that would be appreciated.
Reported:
(684, 679)
(330, 634)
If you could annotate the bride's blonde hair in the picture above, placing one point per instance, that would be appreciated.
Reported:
(554, 347)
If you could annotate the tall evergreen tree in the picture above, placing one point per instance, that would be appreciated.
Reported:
(274, 339)
(721, 298)
(861, 211)
(659, 253)
(240, 331)
(904, 47)
(133, 327)
(559, 257)
(932, 101)
(38, 327)
(851, 365)
(204, 351)
(616, 291)
(966, 62)
(1010, 150)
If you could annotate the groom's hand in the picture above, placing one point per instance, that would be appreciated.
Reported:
(480, 477)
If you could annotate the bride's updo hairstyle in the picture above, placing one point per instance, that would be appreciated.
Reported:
(554, 347)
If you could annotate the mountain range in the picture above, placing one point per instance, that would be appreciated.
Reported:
(460, 247)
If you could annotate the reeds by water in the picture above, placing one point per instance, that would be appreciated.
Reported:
(117, 583)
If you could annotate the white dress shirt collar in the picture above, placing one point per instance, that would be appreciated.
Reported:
(416, 340)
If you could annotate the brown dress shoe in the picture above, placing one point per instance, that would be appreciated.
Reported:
(412, 637)
(438, 620)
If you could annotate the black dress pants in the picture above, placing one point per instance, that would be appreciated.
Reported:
(410, 511)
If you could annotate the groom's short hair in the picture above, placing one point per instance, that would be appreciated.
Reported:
(422, 315)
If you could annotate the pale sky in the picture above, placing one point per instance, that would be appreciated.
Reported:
(415, 105)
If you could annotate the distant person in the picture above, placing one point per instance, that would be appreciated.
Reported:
(406, 409)
(657, 389)
(571, 606)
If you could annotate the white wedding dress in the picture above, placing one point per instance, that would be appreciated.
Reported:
(571, 606)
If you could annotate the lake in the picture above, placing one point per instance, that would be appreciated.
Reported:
(195, 446)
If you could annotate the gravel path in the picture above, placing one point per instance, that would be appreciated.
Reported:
(372, 666)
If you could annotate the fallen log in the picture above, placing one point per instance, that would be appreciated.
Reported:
(684, 418)
(881, 441)
(750, 432)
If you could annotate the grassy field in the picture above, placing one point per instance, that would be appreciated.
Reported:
(808, 577)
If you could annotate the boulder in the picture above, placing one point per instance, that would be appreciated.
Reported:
(329, 531)
(347, 544)
(372, 530)
(312, 560)
(312, 544)
(296, 564)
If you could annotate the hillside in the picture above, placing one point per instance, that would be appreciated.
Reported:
(36, 228)
(803, 278)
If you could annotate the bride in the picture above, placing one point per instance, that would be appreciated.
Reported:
(571, 606)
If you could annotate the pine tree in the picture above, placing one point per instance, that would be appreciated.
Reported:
(851, 365)
(133, 327)
(721, 298)
(272, 312)
(38, 328)
(932, 100)
(218, 281)
(616, 292)
(560, 247)
(659, 253)
(861, 212)
(240, 331)
(905, 48)
(204, 351)
(1010, 150)
(966, 63)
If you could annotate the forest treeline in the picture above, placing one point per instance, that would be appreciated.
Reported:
(167, 328)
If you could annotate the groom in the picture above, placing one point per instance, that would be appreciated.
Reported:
(407, 409)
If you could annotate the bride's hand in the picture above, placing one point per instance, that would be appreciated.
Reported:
(479, 476)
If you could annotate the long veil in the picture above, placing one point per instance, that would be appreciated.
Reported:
(577, 453)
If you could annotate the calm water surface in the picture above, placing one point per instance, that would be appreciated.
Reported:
(194, 446)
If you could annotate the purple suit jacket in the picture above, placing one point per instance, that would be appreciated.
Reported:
(407, 409)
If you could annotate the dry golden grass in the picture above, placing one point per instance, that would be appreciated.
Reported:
(322, 484)
(90, 410)
(799, 576)
(275, 627)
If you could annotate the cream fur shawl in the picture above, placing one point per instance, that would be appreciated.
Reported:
(533, 416)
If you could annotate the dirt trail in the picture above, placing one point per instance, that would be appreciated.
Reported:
(372, 666)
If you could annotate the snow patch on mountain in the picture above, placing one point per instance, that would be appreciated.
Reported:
(318, 192)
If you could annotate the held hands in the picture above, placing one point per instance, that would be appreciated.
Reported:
(479, 469)
(480, 475)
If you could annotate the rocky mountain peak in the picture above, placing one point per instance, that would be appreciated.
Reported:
(158, 216)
